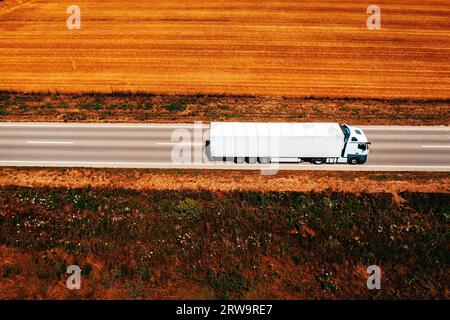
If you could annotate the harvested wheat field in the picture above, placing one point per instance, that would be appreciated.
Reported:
(291, 48)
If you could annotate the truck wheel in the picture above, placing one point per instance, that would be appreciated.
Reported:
(252, 160)
(208, 151)
(353, 160)
(239, 160)
(318, 161)
(264, 160)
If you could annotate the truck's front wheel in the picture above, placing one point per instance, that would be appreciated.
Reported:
(353, 160)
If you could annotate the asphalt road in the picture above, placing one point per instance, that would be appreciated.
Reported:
(393, 148)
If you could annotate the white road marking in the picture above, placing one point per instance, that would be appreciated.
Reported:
(435, 146)
(50, 142)
(178, 144)
(404, 128)
(100, 125)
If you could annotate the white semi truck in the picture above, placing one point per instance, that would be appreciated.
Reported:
(317, 143)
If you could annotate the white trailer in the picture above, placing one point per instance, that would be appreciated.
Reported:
(287, 142)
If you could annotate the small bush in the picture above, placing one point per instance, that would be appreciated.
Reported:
(90, 106)
(11, 271)
(326, 282)
(189, 210)
(48, 105)
(228, 285)
(4, 96)
(174, 107)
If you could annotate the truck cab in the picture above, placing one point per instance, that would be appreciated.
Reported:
(356, 147)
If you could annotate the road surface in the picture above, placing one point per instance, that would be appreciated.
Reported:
(393, 148)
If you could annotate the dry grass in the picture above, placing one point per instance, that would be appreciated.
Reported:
(146, 107)
(224, 180)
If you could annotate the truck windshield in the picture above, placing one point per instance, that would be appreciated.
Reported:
(346, 131)
(363, 146)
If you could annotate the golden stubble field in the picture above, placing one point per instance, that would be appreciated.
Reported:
(292, 48)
